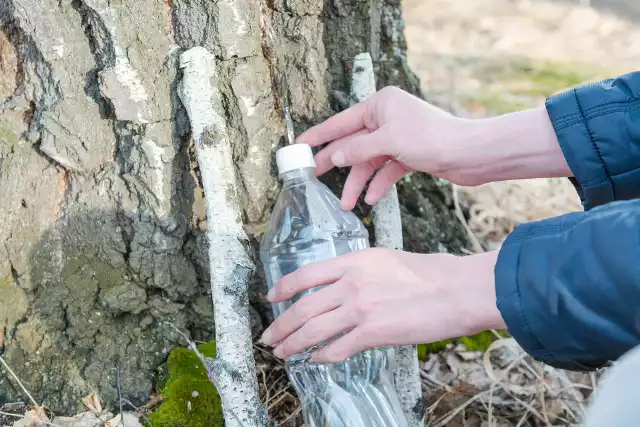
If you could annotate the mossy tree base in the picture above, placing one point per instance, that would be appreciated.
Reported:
(190, 398)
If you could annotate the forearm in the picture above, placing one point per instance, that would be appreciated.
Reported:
(590, 134)
(518, 145)
(478, 308)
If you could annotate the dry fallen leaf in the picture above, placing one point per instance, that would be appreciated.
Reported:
(35, 417)
(92, 402)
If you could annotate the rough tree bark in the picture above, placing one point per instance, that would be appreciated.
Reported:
(102, 215)
(387, 224)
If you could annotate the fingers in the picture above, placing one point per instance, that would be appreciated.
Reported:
(323, 157)
(307, 277)
(305, 309)
(356, 181)
(344, 347)
(388, 175)
(362, 148)
(316, 331)
(342, 124)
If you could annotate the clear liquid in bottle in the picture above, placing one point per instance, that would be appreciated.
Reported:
(308, 225)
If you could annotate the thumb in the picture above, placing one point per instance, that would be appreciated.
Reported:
(361, 148)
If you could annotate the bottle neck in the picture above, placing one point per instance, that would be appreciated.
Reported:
(296, 176)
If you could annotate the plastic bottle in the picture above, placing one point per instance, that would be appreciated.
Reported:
(308, 225)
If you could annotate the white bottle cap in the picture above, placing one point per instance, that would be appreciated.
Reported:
(294, 156)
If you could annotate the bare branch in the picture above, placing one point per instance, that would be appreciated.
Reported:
(231, 266)
(119, 390)
(388, 232)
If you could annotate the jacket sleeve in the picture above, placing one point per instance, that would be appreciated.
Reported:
(568, 288)
(598, 127)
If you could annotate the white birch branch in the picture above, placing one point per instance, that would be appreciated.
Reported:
(388, 234)
(233, 370)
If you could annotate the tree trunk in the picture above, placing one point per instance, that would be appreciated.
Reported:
(102, 213)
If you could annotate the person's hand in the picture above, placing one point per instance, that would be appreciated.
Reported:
(393, 133)
(380, 297)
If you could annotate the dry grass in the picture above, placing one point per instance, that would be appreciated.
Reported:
(496, 209)
(276, 391)
(503, 387)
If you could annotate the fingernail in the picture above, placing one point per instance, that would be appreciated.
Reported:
(338, 158)
(271, 294)
(368, 199)
(278, 352)
(266, 337)
(315, 357)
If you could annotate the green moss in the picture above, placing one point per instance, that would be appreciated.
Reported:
(541, 77)
(190, 398)
(481, 341)
(520, 83)
(478, 342)
(425, 349)
(548, 77)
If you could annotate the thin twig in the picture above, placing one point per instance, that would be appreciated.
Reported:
(543, 402)
(531, 369)
(135, 408)
(119, 390)
(527, 406)
(443, 421)
(490, 409)
(18, 381)
(12, 415)
(293, 414)
(278, 397)
(458, 210)
(524, 418)
(264, 383)
(182, 334)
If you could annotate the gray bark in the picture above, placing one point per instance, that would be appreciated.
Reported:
(103, 222)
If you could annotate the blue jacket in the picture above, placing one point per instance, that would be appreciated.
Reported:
(569, 287)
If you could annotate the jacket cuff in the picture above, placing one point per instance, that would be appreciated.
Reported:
(512, 307)
(580, 149)
(508, 296)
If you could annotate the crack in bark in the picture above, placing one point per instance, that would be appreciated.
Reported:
(30, 57)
